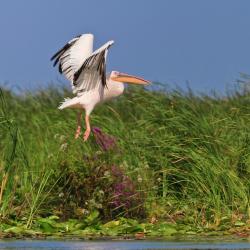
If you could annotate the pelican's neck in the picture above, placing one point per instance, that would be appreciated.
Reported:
(113, 89)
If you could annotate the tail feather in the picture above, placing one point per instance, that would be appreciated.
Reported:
(68, 102)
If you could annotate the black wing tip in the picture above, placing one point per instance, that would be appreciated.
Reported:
(55, 63)
(58, 54)
(60, 68)
(53, 57)
(56, 60)
(62, 50)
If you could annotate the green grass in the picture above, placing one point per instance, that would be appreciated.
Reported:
(188, 157)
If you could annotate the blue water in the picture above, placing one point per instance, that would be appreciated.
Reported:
(118, 245)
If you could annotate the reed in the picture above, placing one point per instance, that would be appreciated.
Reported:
(182, 156)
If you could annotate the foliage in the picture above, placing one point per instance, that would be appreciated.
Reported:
(164, 156)
(128, 228)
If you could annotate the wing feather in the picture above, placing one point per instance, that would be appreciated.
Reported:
(72, 54)
(84, 68)
(60, 52)
(93, 70)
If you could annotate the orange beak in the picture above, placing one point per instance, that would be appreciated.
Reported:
(130, 79)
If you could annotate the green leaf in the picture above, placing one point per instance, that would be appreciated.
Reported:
(191, 233)
(239, 223)
(53, 217)
(15, 230)
(92, 218)
(167, 229)
(47, 227)
(111, 224)
(134, 229)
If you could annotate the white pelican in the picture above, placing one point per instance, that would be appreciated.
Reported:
(86, 71)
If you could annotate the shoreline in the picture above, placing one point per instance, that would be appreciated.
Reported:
(143, 231)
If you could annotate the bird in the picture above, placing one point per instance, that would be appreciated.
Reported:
(86, 71)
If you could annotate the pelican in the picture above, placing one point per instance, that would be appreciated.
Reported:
(86, 71)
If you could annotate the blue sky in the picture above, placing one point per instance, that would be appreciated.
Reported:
(203, 42)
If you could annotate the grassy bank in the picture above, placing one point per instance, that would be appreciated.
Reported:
(173, 159)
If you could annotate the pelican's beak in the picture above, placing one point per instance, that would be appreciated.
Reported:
(122, 77)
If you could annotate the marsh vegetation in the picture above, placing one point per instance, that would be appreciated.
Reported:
(157, 163)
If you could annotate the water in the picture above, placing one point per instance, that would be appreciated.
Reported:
(119, 245)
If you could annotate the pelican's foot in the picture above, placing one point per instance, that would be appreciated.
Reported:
(78, 131)
(86, 134)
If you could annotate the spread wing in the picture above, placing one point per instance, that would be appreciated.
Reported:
(93, 70)
(71, 56)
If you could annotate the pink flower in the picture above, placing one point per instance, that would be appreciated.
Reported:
(105, 142)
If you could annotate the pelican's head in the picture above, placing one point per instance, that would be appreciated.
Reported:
(125, 78)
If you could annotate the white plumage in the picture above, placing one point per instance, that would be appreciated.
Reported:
(71, 60)
(86, 70)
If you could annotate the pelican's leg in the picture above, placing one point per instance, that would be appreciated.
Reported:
(78, 129)
(88, 129)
